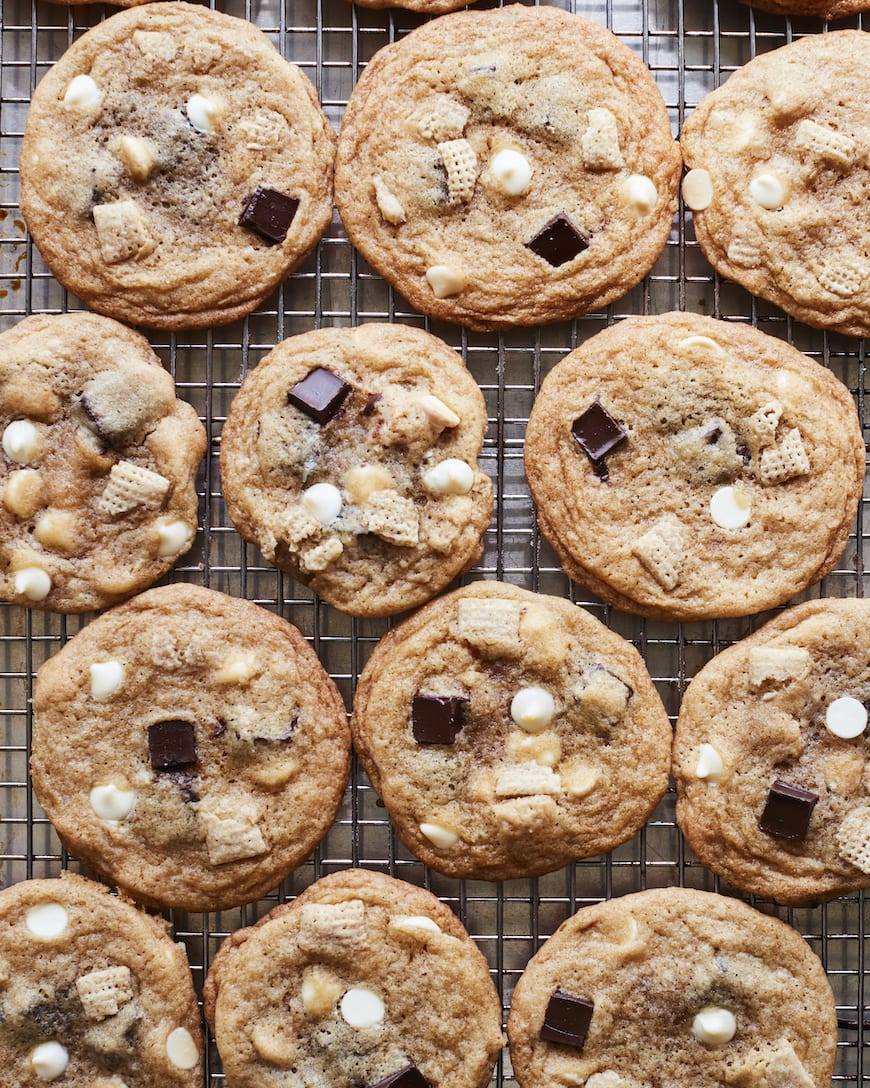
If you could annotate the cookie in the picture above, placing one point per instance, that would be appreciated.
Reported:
(778, 163)
(509, 733)
(686, 468)
(98, 464)
(362, 980)
(507, 167)
(425, 7)
(349, 456)
(93, 993)
(772, 758)
(174, 168)
(697, 983)
(821, 9)
(189, 747)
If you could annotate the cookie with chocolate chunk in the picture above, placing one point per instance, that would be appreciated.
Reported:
(162, 183)
(686, 468)
(98, 464)
(510, 733)
(507, 167)
(93, 992)
(189, 747)
(350, 457)
(697, 983)
(772, 757)
(778, 164)
(362, 980)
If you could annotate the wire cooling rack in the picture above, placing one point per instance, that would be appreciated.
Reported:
(691, 47)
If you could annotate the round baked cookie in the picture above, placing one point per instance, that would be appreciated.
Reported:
(702, 985)
(98, 464)
(349, 456)
(189, 747)
(425, 7)
(509, 733)
(362, 980)
(507, 167)
(772, 758)
(834, 9)
(174, 168)
(93, 993)
(686, 468)
(778, 165)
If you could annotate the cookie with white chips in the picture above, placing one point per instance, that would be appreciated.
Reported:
(509, 733)
(98, 464)
(350, 457)
(703, 985)
(772, 757)
(362, 980)
(162, 182)
(93, 992)
(189, 747)
(507, 167)
(778, 162)
(686, 468)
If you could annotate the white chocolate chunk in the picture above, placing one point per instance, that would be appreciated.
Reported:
(362, 1008)
(829, 144)
(579, 780)
(528, 780)
(710, 765)
(320, 990)
(489, 624)
(443, 119)
(33, 583)
(436, 411)
(730, 508)
(181, 1049)
(111, 802)
(173, 536)
(440, 835)
(768, 191)
(714, 1026)
(231, 830)
(132, 487)
(22, 442)
(47, 920)
(362, 481)
(662, 551)
(205, 114)
(414, 925)
(237, 668)
(272, 1047)
(332, 922)
(460, 162)
(449, 477)
(844, 275)
(510, 172)
(388, 204)
(392, 517)
(106, 678)
(642, 193)
(24, 492)
(853, 838)
(323, 502)
(445, 281)
(785, 460)
(57, 529)
(138, 157)
(103, 992)
(122, 231)
(777, 663)
(49, 1060)
(697, 190)
(82, 95)
(599, 143)
(846, 718)
(533, 708)
(692, 344)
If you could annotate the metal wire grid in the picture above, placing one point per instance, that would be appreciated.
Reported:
(691, 47)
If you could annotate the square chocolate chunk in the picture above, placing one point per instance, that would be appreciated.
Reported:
(597, 433)
(787, 811)
(319, 395)
(171, 745)
(436, 719)
(567, 1020)
(269, 214)
(558, 241)
(409, 1077)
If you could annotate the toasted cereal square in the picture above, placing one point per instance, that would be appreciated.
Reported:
(661, 551)
(391, 517)
(231, 830)
(778, 663)
(122, 231)
(344, 923)
(600, 142)
(853, 838)
(132, 487)
(527, 780)
(103, 992)
(491, 625)
(786, 460)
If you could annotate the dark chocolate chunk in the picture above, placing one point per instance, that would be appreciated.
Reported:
(371, 404)
(597, 433)
(787, 811)
(220, 727)
(171, 745)
(188, 786)
(436, 719)
(558, 241)
(319, 395)
(409, 1077)
(269, 214)
(567, 1020)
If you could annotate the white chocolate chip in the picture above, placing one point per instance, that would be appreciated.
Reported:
(274, 1048)
(204, 113)
(846, 718)
(49, 1060)
(362, 481)
(714, 1026)
(579, 780)
(642, 193)
(702, 343)
(510, 172)
(445, 281)
(710, 765)
(22, 442)
(181, 1049)
(361, 1008)
(237, 668)
(323, 502)
(768, 191)
(449, 477)
(110, 802)
(138, 157)
(57, 529)
(32, 583)
(730, 508)
(439, 835)
(388, 204)
(320, 990)
(697, 190)
(82, 94)
(533, 708)
(436, 411)
(415, 925)
(47, 920)
(106, 678)
(24, 492)
(173, 536)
